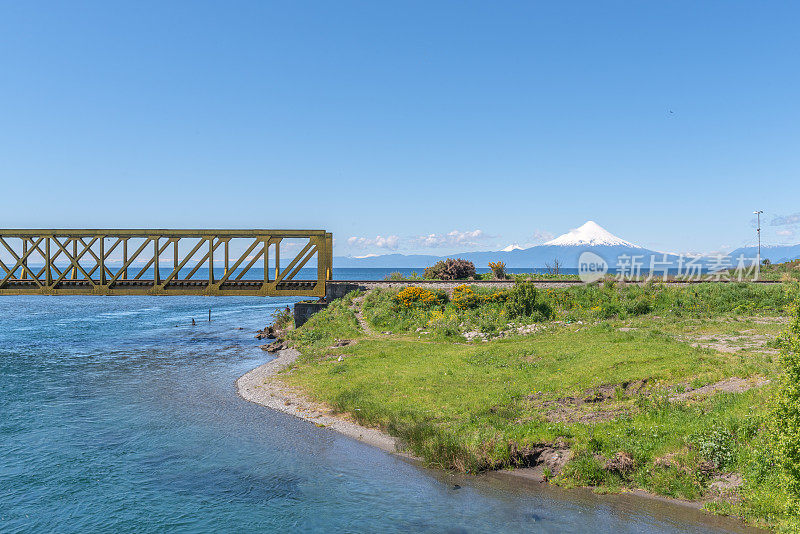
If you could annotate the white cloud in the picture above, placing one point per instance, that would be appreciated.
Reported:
(786, 232)
(391, 242)
(785, 220)
(456, 237)
(540, 236)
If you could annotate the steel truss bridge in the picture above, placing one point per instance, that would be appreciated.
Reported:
(164, 262)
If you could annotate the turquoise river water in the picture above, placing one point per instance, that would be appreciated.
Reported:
(118, 415)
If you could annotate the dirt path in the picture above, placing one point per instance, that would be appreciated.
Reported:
(728, 343)
(729, 385)
(601, 404)
(356, 308)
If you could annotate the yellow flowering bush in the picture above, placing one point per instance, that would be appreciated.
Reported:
(498, 269)
(497, 297)
(465, 298)
(436, 316)
(413, 297)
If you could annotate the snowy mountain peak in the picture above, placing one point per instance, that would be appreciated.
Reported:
(512, 246)
(590, 234)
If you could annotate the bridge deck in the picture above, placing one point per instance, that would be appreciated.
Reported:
(148, 287)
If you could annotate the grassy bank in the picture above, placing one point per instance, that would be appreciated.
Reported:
(784, 272)
(652, 387)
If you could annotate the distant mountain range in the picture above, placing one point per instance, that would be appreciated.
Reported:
(566, 249)
(774, 253)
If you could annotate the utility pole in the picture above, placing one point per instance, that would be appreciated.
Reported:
(758, 231)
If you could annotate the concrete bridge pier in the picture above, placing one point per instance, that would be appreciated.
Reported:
(305, 309)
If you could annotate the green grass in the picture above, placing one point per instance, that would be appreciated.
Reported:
(480, 405)
(787, 271)
(587, 303)
(494, 392)
(336, 322)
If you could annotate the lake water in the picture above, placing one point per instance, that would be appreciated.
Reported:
(117, 415)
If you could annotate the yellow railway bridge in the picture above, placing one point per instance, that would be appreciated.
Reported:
(165, 262)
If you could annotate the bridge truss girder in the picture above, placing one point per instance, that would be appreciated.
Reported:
(117, 262)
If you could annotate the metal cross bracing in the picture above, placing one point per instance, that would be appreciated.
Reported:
(164, 262)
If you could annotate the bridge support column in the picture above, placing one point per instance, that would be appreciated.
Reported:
(305, 309)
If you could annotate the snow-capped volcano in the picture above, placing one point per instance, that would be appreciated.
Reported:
(590, 234)
(566, 248)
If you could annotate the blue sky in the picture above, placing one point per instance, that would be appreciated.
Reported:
(408, 126)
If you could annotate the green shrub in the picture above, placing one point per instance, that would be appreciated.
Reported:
(451, 269)
(716, 445)
(639, 306)
(283, 319)
(400, 277)
(585, 470)
(612, 309)
(522, 302)
(785, 416)
(543, 312)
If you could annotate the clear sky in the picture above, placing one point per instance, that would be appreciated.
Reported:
(406, 126)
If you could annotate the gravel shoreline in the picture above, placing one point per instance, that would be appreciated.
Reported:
(259, 387)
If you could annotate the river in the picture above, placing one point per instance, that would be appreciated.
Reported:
(118, 415)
